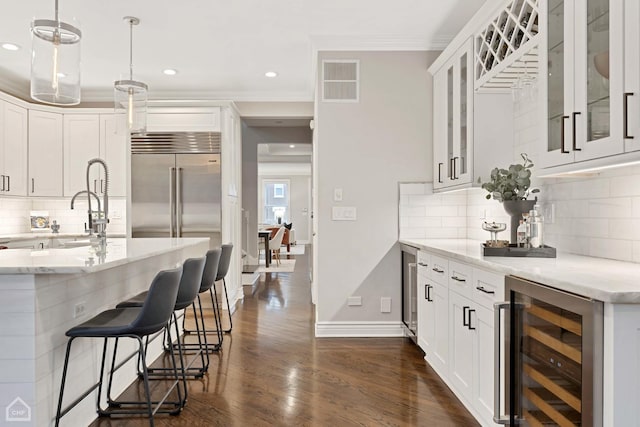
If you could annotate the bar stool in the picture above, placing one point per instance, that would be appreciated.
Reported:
(192, 271)
(134, 323)
(208, 282)
(223, 268)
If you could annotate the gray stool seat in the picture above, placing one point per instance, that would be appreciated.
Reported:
(134, 323)
(190, 283)
(208, 284)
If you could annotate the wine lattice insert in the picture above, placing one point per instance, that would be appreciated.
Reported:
(503, 42)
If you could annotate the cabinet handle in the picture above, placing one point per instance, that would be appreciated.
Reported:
(464, 315)
(573, 116)
(482, 289)
(2, 183)
(451, 168)
(471, 328)
(625, 115)
(33, 185)
(440, 172)
(95, 185)
(101, 188)
(422, 264)
(457, 279)
(437, 270)
(562, 150)
(454, 168)
(427, 292)
(8, 182)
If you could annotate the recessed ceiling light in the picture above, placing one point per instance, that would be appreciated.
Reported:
(271, 74)
(10, 46)
(292, 146)
(170, 72)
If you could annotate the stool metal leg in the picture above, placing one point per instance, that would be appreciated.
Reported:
(64, 378)
(226, 296)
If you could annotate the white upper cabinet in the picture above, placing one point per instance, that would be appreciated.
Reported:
(582, 71)
(175, 119)
(631, 95)
(13, 149)
(45, 154)
(81, 144)
(113, 149)
(89, 136)
(453, 121)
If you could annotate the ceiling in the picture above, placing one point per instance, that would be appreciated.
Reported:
(222, 49)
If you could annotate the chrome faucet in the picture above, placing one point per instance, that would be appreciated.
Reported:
(99, 219)
(73, 199)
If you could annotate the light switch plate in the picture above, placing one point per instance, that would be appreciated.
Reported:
(385, 305)
(344, 213)
(337, 194)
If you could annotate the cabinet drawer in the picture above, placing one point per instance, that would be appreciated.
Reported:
(439, 269)
(487, 288)
(459, 278)
(424, 259)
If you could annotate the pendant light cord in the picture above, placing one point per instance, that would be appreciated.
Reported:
(57, 20)
(130, 49)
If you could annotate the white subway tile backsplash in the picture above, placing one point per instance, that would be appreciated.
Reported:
(619, 207)
(426, 222)
(611, 248)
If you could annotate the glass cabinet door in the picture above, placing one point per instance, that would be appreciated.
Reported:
(598, 67)
(450, 122)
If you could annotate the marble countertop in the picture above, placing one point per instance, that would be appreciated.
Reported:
(597, 278)
(46, 235)
(83, 259)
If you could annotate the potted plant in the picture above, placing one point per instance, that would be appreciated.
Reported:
(512, 188)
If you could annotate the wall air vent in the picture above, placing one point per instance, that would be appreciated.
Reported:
(340, 80)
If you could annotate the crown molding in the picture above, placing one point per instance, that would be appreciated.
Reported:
(378, 43)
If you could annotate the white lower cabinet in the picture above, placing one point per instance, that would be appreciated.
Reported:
(460, 345)
(456, 330)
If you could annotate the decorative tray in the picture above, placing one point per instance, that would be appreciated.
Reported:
(514, 251)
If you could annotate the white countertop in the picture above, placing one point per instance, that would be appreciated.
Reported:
(46, 235)
(598, 278)
(84, 260)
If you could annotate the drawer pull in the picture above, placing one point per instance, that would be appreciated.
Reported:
(457, 279)
(464, 315)
(471, 328)
(422, 264)
(427, 293)
(482, 289)
(437, 270)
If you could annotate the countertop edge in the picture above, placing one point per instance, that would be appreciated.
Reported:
(548, 279)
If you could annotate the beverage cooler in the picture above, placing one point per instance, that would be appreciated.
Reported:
(548, 357)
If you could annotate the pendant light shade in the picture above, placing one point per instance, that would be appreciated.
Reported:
(131, 95)
(55, 61)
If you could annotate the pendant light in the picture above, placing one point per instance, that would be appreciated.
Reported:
(131, 95)
(55, 61)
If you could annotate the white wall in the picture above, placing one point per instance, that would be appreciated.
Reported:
(367, 148)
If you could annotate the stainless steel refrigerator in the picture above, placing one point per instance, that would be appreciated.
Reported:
(176, 186)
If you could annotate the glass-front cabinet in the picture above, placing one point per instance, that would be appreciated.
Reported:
(453, 119)
(582, 66)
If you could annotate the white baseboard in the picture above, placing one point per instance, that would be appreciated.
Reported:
(359, 329)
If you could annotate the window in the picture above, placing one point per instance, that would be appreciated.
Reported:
(275, 201)
(278, 191)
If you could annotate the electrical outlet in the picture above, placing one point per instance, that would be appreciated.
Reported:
(354, 301)
(79, 309)
(549, 212)
(385, 305)
(116, 215)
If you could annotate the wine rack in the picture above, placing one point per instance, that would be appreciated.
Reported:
(552, 365)
(507, 46)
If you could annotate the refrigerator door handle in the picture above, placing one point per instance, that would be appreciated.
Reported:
(172, 201)
(179, 201)
(497, 389)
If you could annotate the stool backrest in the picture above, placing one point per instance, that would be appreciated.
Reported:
(210, 269)
(192, 270)
(225, 260)
(158, 306)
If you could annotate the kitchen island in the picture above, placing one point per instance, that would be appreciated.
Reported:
(480, 281)
(45, 292)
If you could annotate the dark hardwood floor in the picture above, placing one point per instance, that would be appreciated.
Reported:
(273, 372)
